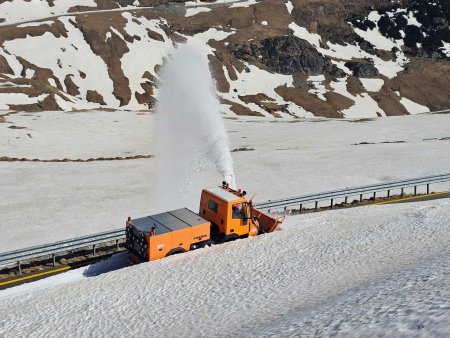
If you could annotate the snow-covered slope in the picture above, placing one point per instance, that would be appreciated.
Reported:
(354, 272)
(61, 200)
(270, 58)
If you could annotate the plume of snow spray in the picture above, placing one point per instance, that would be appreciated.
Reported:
(189, 129)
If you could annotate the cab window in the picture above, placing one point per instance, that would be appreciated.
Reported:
(213, 206)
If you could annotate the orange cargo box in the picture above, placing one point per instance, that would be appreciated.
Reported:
(165, 234)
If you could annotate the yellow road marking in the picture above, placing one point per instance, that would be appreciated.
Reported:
(412, 198)
(34, 276)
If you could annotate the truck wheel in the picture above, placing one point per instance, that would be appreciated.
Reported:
(175, 251)
(203, 244)
(231, 237)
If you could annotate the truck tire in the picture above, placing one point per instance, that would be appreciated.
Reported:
(205, 243)
(231, 237)
(175, 251)
(200, 245)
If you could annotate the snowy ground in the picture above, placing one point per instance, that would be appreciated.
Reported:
(369, 271)
(43, 202)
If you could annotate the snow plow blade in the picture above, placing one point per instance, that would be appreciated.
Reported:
(266, 222)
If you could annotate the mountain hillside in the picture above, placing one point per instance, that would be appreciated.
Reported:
(277, 58)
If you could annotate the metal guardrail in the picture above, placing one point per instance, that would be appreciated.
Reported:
(18, 256)
(348, 192)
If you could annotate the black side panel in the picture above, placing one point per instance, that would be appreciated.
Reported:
(136, 242)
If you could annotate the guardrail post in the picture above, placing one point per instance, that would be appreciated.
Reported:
(20, 267)
(374, 195)
(54, 259)
(389, 193)
(428, 188)
(117, 244)
(331, 204)
(360, 197)
(300, 209)
(402, 192)
(415, 190)
(316, 205)
(93, 250)
(346, 200)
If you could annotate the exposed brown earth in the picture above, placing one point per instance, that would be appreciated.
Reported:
(354, 86)
(47, 103)
(330, 108)
(117, 158)
(94, 97)
(71, 87)
(389, 102)
(426, 82)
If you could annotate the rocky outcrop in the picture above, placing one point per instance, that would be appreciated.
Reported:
(287, 55)
(364, 69)
(425, 36)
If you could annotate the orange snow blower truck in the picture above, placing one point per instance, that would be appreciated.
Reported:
(225, 214)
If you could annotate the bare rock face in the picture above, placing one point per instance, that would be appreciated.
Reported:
(363, 69)
(287, 55)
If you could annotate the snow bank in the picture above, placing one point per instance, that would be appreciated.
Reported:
(18, 98)
(195, 11)
(144, 54)
(372, 85)
(413, 107)
(289, 6)
(411, 303)
(68, 56)
(364, 105)
(253, 81)
(22, 10)
(313, 260)
(302, 33)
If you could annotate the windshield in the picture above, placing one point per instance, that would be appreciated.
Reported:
(240, 210)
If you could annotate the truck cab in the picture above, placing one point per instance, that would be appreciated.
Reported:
(229, 212)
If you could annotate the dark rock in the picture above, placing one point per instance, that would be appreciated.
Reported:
(362, 69)
(285, 55)
(401, 21)
(413, 35)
